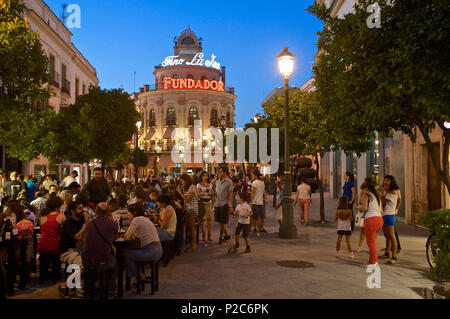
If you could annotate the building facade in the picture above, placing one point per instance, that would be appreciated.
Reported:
(72, 76)
(409, 162)
(188, 87)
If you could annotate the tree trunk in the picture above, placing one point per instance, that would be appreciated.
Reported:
(319, 182)
(443, 173)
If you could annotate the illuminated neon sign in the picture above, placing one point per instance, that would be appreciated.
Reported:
(171, 84)
(197, 60)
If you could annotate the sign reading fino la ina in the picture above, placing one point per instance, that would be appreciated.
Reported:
(197, 60)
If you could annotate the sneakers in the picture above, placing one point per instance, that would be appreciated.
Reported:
(247, 250)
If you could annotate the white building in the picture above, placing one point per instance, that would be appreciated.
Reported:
(72, 76)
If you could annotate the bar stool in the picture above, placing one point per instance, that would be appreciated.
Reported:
(153, 279)
(91, 278)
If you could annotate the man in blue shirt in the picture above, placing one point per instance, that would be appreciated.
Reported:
(32, 189)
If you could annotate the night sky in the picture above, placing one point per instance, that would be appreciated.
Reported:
(119, 37)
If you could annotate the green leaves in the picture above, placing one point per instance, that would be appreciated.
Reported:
(392, 78)
(98, 125)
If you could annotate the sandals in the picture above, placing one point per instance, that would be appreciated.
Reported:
(392, 261)
(385, 256)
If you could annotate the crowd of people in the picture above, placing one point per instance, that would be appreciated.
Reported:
(79, 225)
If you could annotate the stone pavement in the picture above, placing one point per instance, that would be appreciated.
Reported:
(212, 273)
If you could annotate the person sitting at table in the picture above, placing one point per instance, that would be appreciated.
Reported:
(98, 250)
(122, 212)
(51, 221)
(150, 246)
(167, 219)
(152, 206)
(71, 243)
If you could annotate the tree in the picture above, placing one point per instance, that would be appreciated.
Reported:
(312, 130)
(390, 78)
(98, 125)
(23, 73)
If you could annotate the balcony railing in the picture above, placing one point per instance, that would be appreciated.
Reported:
(171, 121)
(65, 87)
(54, 78)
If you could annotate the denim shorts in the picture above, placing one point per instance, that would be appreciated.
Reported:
(389, 220)
(191, 212)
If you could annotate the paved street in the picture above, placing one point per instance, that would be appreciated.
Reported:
(211, 273)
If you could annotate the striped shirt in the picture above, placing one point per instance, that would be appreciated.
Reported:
(193, 204)
(146, 230)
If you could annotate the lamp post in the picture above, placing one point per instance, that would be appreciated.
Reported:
(223, 127)
(287, 229)
(136, 152)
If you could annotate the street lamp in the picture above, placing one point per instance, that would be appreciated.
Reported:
(287, 229)
(223, 127)
(136, 152)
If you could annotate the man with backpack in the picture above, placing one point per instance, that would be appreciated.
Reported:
(13, 186)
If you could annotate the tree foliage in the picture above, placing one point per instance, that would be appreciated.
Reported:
(98, 125)
(395, 77)
(23, 73)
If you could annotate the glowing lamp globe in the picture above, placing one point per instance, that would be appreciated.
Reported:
(286, 62)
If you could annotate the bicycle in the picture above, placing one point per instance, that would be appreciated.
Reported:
(432, 249)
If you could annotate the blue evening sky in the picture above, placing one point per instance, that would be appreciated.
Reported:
(119, 37)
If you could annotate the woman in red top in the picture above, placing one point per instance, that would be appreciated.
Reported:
(51, 220)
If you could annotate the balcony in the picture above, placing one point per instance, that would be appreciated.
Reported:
(54, 78)
(65, 87)
(171, 121)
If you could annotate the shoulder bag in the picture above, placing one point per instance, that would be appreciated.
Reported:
(359, 219)
(113, 249)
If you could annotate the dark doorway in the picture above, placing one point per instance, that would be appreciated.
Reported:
(434, 184)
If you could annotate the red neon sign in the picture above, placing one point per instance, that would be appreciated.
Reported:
(182, 84)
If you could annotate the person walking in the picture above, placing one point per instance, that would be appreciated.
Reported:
(204, 190)
(344, 218)
(304, 198)
(349, 192)
(392, 200)
(373, 222)
(244, 211)
(224, 203)
(257, 203)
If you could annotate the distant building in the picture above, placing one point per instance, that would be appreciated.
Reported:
(72, 76)
(188, 86)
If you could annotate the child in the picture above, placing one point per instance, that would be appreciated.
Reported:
(344, 217)
(152, 207)
(244, 211)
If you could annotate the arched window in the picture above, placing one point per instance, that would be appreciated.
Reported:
(214, 117)
(193, 115)
(171, 118)
(188, 41)
(151, 117)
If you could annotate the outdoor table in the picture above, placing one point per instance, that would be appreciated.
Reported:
(120, 245)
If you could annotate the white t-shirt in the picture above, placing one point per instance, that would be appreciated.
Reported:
(242, 210)
(258, 186)
(67, 181)
(373, 210)
(303, 191)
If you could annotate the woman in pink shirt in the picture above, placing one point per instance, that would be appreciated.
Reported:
(304, 198)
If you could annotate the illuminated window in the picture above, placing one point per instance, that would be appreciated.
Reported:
(171, 118)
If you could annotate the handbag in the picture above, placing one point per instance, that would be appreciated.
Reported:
(359, 219)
